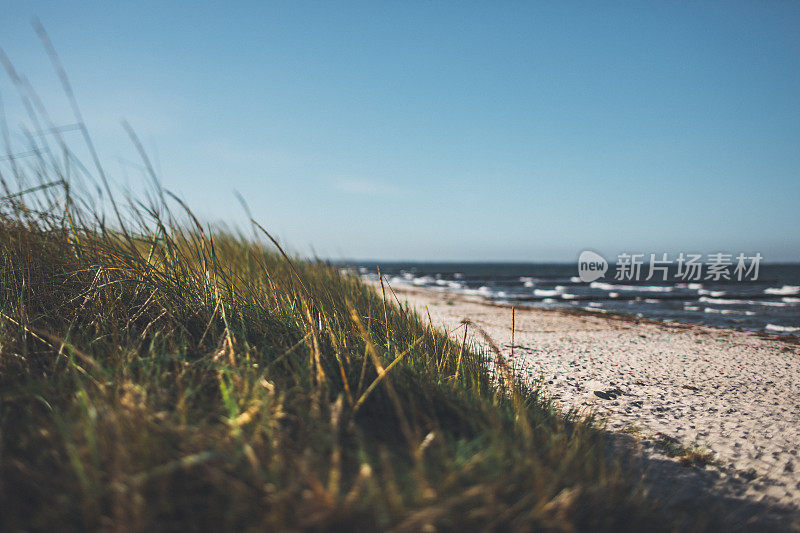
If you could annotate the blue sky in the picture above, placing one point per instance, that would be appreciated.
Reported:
(447, 131)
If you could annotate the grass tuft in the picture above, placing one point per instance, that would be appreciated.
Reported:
(156, 373)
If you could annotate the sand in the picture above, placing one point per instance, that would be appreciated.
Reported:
(661, 386)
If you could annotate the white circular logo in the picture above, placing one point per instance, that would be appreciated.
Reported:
(591, 266)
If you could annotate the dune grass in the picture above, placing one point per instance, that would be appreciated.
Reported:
(181, 378)
(158, 374)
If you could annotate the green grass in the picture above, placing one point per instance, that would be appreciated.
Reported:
(157, 374)
(188, 379)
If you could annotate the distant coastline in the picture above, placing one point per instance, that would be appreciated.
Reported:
(770, 304)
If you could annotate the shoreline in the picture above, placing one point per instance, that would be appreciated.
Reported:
(730, 393)
(789, 338)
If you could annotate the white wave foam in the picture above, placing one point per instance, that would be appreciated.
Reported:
(790, 300)
(449, 283)
(695, 286)
(727, 301)
(601, 285)
(546, 292)
(566, 296)
(719, 311)
(722, 301)
(480, 291)
(782, 329)
(783, 291)
(575, 279)
(715, 294)
(641, 288)
(768, 304)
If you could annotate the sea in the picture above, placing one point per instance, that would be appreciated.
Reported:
(771, 303)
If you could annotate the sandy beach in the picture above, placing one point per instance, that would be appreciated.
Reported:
(732, 394)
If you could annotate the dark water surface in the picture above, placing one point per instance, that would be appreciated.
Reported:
(771, 303)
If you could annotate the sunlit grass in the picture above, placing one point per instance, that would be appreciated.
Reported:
(187, 378)
(156, 373)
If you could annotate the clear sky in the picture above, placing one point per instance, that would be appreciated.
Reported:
(447, 131)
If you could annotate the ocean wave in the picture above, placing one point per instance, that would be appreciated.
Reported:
(782, 329)
(480, 291)
(767, 303)
(719, 311)
(776, 299)
(715, 294)
(783, 291)
(641, 288)
(449, 283)
(728, 301)
(722, 301)
(546, 292)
